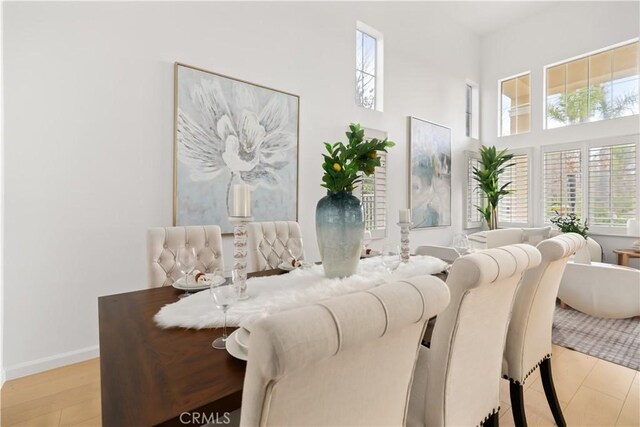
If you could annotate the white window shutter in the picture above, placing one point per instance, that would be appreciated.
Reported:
(513, 209)
(473, 194)
(562, 183)
(612, 185)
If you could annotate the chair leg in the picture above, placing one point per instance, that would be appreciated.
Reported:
(516, 392)
(492, 421)
(550, 392)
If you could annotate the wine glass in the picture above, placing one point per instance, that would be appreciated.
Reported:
(295, 249)
(390, 257)
(224, 295)
(461, 244)
(186, 262)
(366, 241)
(219, 276)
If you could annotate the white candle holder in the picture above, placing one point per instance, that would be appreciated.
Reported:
(240, 254)
(405, 228)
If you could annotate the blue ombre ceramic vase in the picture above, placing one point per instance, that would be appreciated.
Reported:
(339, 229)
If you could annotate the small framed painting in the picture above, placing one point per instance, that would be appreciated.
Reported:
(429, 174)
(227, 132)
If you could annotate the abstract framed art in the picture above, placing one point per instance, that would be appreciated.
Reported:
(227, 132)
(429, 174)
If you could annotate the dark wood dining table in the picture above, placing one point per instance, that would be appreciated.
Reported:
(153, 376)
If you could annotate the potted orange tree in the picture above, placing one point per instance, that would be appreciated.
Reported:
(339, 217)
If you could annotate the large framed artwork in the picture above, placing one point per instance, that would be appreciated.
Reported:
(227, 132)
(429, 174)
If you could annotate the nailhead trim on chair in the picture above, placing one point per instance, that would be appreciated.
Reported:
(536, 366)
(492, 413)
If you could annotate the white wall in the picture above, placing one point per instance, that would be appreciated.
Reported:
(565, 30)
(89, 105)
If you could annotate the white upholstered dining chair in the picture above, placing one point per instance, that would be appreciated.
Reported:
(163, 244)
(267, 243)
(346, 361)
(443, 252)
(457, 379)
(529, 336)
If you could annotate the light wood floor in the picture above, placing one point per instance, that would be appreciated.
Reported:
(592, 392)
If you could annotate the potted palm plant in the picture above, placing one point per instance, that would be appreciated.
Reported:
(492, 164)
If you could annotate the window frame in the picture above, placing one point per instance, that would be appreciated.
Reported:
(515, 76)
(584, 148)
(474, 133)
(527, 151)
(379, 73)
(566, 61)
(378, 233)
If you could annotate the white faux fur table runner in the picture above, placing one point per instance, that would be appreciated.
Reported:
(299, 287)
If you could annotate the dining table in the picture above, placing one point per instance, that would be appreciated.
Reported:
(155, 376)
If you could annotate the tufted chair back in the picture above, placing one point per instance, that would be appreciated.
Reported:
(267, 243)
(163, 244)
(529, 336)
(347, 361)
(457, 380)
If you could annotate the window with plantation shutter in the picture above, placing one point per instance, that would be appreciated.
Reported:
(373, 193)
(474, 195)
(562, 183)
(612, 185)
(514, 207)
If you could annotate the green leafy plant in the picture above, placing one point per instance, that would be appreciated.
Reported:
(492, 164)
(582, 104)
(570, 223)
(344, 164)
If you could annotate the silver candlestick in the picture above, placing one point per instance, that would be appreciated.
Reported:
(405, 228)
(240, 254)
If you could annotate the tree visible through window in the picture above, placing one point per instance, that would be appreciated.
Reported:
(366, 63)
(592, 88)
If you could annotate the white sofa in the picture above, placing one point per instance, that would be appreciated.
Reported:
(511, 236)
(588, 284)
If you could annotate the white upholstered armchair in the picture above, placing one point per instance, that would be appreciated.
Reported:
(163, 244)
(529, 337)
(346, 361)
(457, 379)
(267, 243)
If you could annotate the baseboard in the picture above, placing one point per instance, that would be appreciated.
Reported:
(51, 362)
(2, 378)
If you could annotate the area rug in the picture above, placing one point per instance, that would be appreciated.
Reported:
(614, 340)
